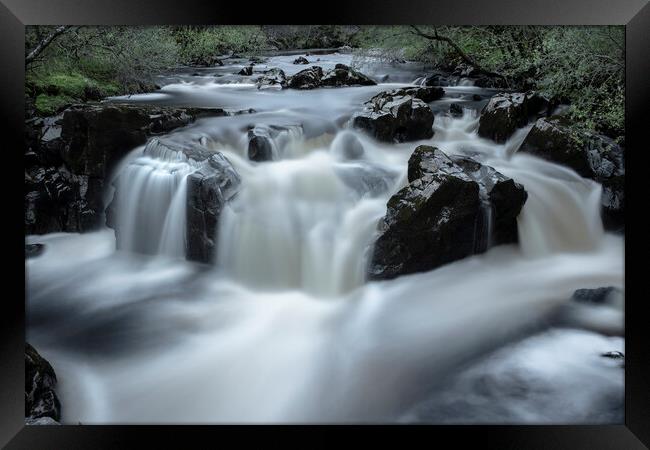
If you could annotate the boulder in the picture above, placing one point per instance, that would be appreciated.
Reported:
(343, 75)
(505, 112)
(300, 60)
(307, 79)
(440, 216)
(40, 380)
(272, 78)
(591, 155)
(426, 94)
(58, 200)
(69, 157)
(246, 71)
(395, 118)
(265, 141)
(208, 191)
(260, 147)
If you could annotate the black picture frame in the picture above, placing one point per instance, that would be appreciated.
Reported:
(15, 14)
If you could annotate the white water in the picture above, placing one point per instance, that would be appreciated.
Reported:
(284, 329)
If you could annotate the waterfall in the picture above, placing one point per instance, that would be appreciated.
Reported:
(150, 201)
(285, 327)
(300, 213)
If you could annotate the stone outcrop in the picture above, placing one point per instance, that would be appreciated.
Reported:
(41, 401)
(452, 208)
(395, 116)
(506, 112)
(591, 155)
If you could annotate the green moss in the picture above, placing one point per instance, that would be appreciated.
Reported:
(47, 105)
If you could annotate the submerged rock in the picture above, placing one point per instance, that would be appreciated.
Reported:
(34, 250)
(300, 60)
(263, 145)
(307, 79)
(455, 110)
(591, 155)
(504, 113)
(208, 191)
(599, 296)
(41, 400)
(343, 75)
(395, 116)
(440, 216)
(347, 146)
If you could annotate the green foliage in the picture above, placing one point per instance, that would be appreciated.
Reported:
(48, 105)
(198, 45)
(584, 65)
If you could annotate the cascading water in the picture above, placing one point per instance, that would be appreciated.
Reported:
(150, 201)
(284, 328)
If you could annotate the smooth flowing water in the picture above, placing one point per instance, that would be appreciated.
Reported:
(284, 328)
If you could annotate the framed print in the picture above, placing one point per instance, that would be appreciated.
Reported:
(403, 219)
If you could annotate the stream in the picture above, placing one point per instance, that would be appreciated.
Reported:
(284, 328)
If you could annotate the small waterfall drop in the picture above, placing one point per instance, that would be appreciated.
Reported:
(150, 201)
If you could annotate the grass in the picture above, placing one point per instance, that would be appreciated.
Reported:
(55, 90)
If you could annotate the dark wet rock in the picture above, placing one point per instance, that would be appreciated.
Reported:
(343, 75)
(395, 118)
(347, 146)
(40, 380)
(97, 137)
(208, 191)
(598, 296)
(439, 217)
(300, 60)
(246, 71)
(307, 79)
(260, 147)
(477, 97)
(272, 78)
(505, 112)
(455, 110)
(501, 194)
(613, 355)
(265, 140)
(426, 94)
(466, 70)
(34, 250)
(591, 155)
(69, 157)
(257, 59)
(58, 200)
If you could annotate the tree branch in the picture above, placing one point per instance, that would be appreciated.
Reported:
(457, 49)
(43, 44)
